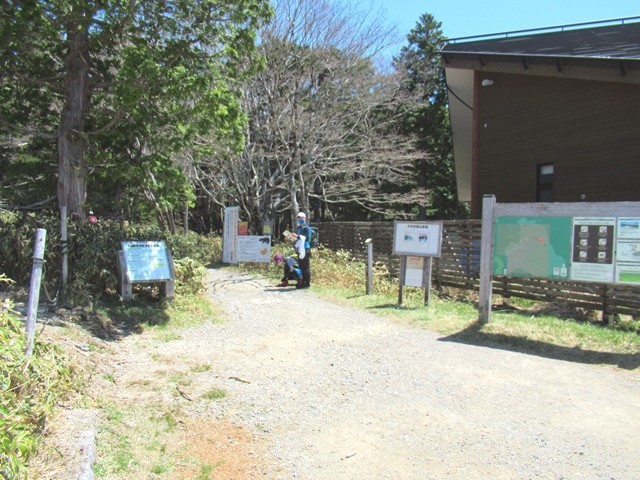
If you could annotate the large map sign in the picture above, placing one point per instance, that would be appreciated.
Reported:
(532, 247)
(589, 249)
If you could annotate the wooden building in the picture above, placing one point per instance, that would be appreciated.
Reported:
(547, 115)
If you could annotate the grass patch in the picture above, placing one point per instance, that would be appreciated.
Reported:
(30, 388)
(132, 442)
(201, 368)
(214, 394)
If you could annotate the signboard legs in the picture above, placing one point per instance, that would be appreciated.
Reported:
(403, 267)
(427, 264)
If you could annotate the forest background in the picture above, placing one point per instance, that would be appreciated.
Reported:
(168, 111)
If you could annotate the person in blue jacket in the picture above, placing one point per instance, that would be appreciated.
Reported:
(302, 228)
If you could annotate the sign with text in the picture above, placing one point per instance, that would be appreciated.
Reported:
(592, 256)
(254, 248)
(147, 261)
(414, 272)
(422, 239)
(230, 235)
(628, 251)
(602, 249)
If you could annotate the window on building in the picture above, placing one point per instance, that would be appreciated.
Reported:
(545, 183)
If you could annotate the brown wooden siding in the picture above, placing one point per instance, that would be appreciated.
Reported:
(589, 130)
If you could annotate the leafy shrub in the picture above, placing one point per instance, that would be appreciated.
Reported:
(190, 276)
(91, 251)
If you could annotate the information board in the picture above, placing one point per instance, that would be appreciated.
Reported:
(532, 247)
(230, 235)
(627, 256)
(254, 248)
(592, 249)
(417, 238)
(146, 261)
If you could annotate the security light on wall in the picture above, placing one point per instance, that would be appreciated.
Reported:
(487, 82)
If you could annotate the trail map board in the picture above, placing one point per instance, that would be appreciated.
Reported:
(591, 249)
(532, 247)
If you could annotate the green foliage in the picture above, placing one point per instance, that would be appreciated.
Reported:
(29, 390)
(428, 118)
(162, 74)
(190, 276)
(92, 253)
(339, 269)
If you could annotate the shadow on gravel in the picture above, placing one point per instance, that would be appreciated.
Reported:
(473, 335)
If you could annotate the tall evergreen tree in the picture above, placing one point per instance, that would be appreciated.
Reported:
(428, 118)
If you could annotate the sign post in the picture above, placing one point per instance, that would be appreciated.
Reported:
(416, 243)
(230, 235)
(145, 262)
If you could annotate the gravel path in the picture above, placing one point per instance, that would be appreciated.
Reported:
(342, 394)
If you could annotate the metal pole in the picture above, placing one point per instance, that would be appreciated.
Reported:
(369, 244)
(34, 289)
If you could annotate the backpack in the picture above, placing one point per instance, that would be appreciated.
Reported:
(315, 237)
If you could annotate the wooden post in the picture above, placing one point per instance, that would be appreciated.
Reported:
(34, 288)
(426, 281)
(125, 288)
(403, 266)
(486, 259)
(369, 244)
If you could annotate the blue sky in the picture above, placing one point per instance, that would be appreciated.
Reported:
(462, 18)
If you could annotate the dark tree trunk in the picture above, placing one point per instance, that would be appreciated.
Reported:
(72, 186)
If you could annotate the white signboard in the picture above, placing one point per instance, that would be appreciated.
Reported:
(254, 248)
(414, 272)
(230, 235)
(628, 251)
(417, 238)
(146, 261)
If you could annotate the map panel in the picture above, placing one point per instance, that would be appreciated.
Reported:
(535, 247)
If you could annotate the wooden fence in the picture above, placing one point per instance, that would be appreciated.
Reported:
(459, 267)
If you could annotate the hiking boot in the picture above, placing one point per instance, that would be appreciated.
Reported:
(284, 283)
(303, 285)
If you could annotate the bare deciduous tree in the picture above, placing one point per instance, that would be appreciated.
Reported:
(323, 121)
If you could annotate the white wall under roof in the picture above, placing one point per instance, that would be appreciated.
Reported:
(460, 86)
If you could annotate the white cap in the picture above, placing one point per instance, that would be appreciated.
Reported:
(301, 215)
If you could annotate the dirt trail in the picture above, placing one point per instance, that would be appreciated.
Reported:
(326, 392)
(346, 395)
